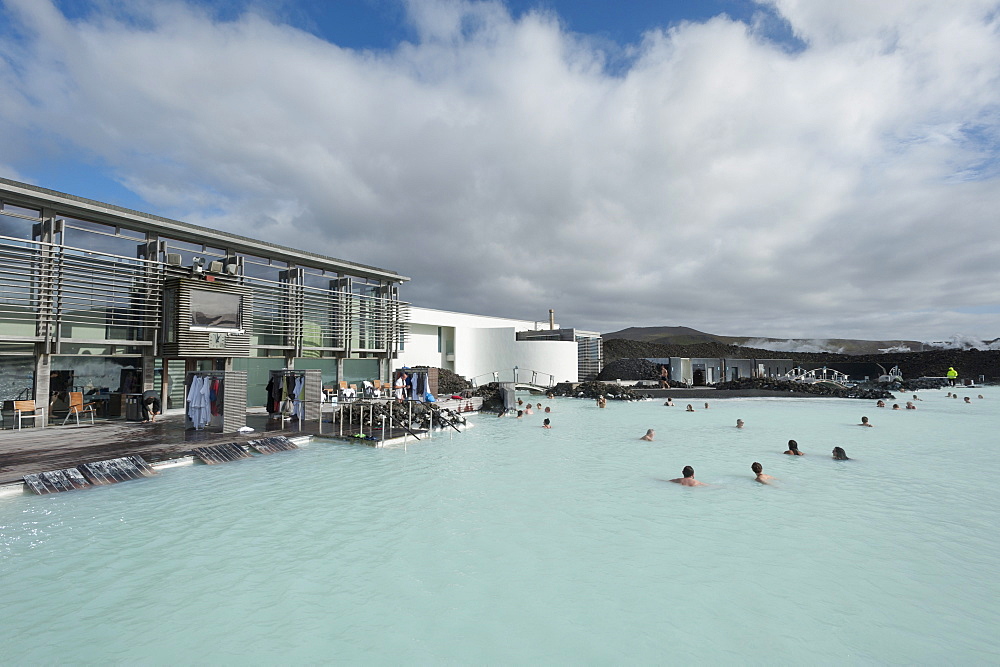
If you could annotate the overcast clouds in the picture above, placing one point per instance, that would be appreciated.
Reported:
(846, 186)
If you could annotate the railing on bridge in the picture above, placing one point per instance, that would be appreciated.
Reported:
(519, 376)
(816, 375)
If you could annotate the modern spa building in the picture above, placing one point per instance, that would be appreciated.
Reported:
(89, 290)
(99, 297)
(485, 349)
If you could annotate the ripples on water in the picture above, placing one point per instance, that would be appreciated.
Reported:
(511, 543)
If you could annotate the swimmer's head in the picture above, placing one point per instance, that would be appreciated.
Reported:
(967, 400)
(520, 413)
(792, 445)
(895, 406)
(757, 468)
(839, 454)
(688, 471)
(545, 423)
(739, 423)
(864, 420)
(650, 432)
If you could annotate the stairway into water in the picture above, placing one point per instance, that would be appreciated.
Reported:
(85, 475)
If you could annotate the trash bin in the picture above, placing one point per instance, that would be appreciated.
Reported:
(133, 408)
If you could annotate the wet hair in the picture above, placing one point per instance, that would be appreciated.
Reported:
(688, 471)
(864, 420)
(757, 468)
(839, 454)
(520, 413)
(792, 445)
(546, 422)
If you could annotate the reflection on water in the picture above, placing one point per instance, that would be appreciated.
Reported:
(513, 543)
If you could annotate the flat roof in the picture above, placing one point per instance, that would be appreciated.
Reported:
(71, 205)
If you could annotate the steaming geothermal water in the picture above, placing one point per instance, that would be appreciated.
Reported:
(516, 544)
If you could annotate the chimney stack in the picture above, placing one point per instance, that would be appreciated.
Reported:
(552, 319)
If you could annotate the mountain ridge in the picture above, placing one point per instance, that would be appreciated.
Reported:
(680, 335)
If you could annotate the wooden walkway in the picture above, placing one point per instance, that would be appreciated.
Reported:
(34, 450)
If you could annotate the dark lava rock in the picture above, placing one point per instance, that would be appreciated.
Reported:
(868, 391)
(610, 391)
(449, 383)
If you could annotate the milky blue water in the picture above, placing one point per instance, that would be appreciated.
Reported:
(515, 544)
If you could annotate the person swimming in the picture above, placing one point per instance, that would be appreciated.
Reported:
(839, 454)
(649, 435)
(739, 423)
(689, 408)
(968, 400)
(538, 406)
(917, 398)
(793, 449)
(910, 405)
(520, 413)
(706, 406)
(528, 410)
(895, 406)
(548, 409)
(865, 422)
(880, 403)
(670, 402)
(546, 423)
(688, 478)
(980, 396)
(758, 470)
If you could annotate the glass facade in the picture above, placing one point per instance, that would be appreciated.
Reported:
(82, 283)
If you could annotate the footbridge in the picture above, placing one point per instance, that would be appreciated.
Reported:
(828, 375)
(522, 378)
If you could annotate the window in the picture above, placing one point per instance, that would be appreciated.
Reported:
(20, 210)
(18, 228)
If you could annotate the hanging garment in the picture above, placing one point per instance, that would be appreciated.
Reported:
(299, 405)
(214, 397)
(199, 410)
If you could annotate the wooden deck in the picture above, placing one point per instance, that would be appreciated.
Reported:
(34, 450)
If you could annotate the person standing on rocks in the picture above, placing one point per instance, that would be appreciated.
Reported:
(952, 376)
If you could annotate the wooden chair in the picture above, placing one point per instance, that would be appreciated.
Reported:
(78, 407)
(27, 410)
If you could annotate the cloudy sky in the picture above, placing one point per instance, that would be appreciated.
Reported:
(790, 168)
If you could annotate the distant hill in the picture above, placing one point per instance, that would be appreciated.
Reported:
(689, 336)
(969, 363)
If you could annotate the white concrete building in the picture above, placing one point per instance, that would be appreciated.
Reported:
(477, 346)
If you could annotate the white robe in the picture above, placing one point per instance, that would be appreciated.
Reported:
(199, 401)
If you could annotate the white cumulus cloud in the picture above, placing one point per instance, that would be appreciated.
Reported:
(847, 188)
